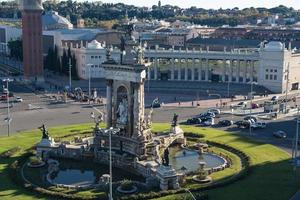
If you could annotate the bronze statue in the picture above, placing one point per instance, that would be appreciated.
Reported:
(166, 157)
(175, 120)
(44, 131)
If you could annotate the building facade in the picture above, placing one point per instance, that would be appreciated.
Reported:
(8, 33)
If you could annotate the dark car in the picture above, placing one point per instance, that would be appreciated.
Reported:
(194, 121)
(225, 122)
(279, 134)
(243, 124)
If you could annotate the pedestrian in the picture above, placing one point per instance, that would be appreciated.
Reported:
(179, 103)
(192, 103)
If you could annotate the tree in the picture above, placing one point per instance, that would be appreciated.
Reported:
(64, 63)
(74, 72)
(16, 49)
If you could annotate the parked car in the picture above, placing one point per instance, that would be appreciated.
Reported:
(251, 118)
(242, 104)
(254, 106)
(214, 110)
(225, 122)
(274, 99)
(194, 120)
(257, 125)
(19, 99)
(243, 124)
(279, 134)
(3, 97)
(207, 115)
(209, 122)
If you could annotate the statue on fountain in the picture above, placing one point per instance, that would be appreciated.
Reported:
(166, 157)
(44, 131)
(175, 120)
(122, 112)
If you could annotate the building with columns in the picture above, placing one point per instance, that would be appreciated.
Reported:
(270, 66)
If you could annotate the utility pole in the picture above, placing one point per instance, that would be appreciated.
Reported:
(70, 75)
(286, 87)
(251, 97)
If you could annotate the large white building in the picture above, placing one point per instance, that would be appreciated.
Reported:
(272, 65)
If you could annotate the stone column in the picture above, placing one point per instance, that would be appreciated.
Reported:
(155, 68)
(172, 69)
(224, 71)
(136, 109)
(179, 69)
(230, 70)
(109, 103)
(251, 70)
(193, 70)
(245, 72)
(238, 71)
(186, 69)
(200, 70)
(206, 70)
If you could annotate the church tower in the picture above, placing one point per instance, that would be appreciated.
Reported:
(32, 39)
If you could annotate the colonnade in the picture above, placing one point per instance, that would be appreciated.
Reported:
(185, 69)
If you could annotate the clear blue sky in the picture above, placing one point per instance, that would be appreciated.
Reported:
(212, 3)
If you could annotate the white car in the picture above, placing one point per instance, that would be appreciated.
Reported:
(214, 110)
(259, 125)
(19, 99)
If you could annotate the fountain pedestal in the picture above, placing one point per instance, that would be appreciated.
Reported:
(167, 177)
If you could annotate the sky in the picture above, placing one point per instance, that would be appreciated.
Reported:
(211, 3)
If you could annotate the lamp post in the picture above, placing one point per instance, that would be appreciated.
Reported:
(89, 67)
(8, 119)
(110, 131)
(70, 75)
(251, 98)
(188, 191)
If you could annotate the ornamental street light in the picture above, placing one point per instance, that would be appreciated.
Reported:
(251, 98)
(8, 119)
(89, 66)
(110, 131)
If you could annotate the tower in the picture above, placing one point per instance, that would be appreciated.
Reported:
(32, 39)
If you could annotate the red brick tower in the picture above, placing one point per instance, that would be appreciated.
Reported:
(32, 39)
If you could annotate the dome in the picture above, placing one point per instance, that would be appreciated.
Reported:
(95, 45)
(52, 20)
(277, 46)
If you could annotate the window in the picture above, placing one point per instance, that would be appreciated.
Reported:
(271, 76)
(267, 70)
(271, 70)
(267, 76)
(92, 57)
(275, 77)
(275, 70)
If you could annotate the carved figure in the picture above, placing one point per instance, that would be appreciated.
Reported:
(44, 131)
(123, 112)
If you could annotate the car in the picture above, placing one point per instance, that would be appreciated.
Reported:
(252, 118)
(274, 98)
(5, 90)
(19, 99)
(242, 104)
(225, 122)
(280, 134)
(257, 125)
(207, 114)
(194, 120)
(209, 122)
(243, 124)
(214, 110)
(254, 106)
(3, 97)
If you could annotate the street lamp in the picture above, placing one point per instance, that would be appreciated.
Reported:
(8, 119)
(110, 131)
(251, 98)
(70, 75)
(188, 191)
(89, 66)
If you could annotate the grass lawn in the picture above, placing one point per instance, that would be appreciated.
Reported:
(272, 177)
